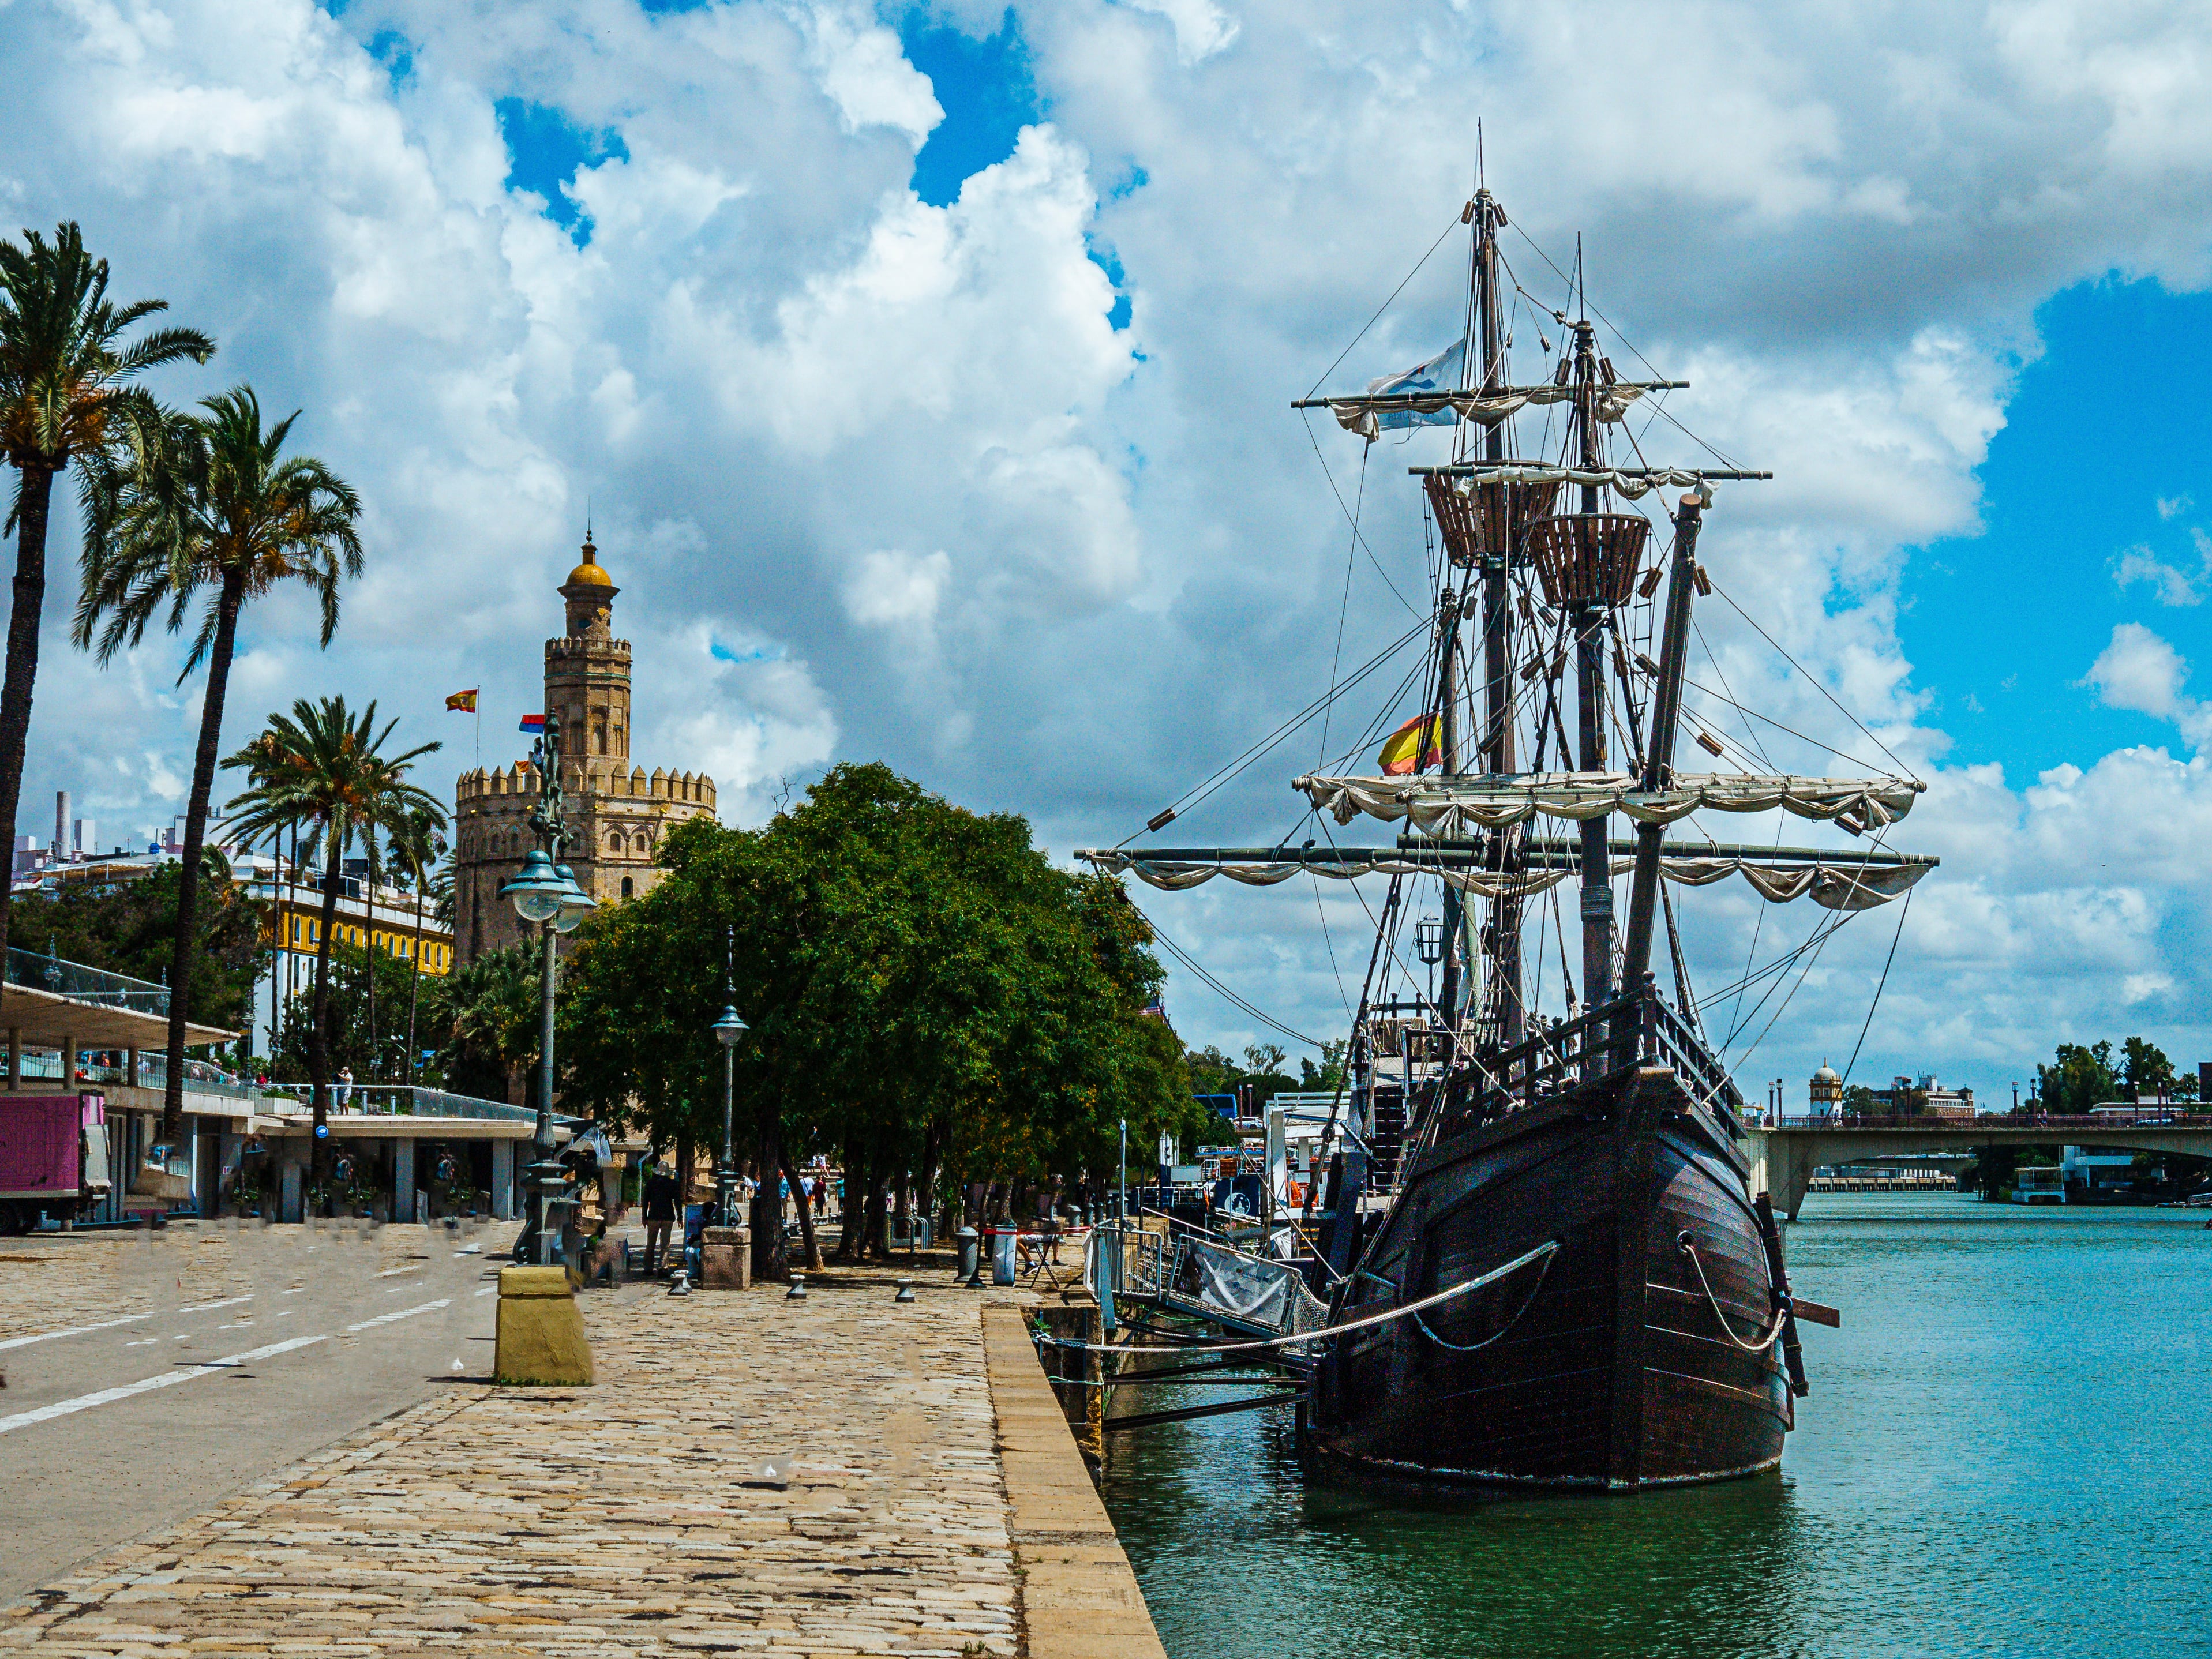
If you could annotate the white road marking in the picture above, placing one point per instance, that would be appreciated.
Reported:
(404, 1313)
(393, 1272)
(489, 1289)
(205, 1307)
(53, 1336)
(144, 1385)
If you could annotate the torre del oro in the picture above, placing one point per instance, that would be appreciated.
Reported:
(616, 812)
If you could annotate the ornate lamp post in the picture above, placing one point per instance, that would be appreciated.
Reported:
(544, 893)
(727, 1030)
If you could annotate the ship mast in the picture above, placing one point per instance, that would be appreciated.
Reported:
(1503, 947)
(1589, 617)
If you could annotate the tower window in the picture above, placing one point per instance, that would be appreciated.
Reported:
(625, 886)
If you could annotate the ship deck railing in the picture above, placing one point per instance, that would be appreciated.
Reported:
(1637, 1029)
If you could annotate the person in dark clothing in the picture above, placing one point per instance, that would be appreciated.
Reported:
(660, 1215)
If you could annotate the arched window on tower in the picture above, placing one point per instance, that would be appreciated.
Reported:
(625, 886)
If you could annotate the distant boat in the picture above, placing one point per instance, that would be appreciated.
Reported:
(2044, 1184)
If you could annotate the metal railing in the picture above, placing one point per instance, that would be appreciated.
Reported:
(46, 972)
(1637, 1029)
(398, 1100)
(1190, 1276)
(201, 1077)
(2147, 1117)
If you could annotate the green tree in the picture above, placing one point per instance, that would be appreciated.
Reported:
(2145, 1070)
(323, 770)
(486, 1018)
(65, 394)
(927, 995)
(417, 847)
(360, 977)
(127, 927)
(2079, 1080)
(209, 510)
(1211, 1071)
(1330, 1073)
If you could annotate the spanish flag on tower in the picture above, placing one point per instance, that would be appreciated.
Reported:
(1414, 747)
(463, 702)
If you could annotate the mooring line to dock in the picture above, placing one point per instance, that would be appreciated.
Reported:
(1383, 1318)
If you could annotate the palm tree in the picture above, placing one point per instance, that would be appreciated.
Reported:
(323, 769)
(65, 394)
(208, 509)
(417, 847)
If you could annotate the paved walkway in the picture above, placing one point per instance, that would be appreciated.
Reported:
(621, 1519)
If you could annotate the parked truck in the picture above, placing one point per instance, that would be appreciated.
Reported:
(53, 1158)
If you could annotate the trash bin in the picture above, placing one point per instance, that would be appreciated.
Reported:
(1003, 1243)
(970, 1252)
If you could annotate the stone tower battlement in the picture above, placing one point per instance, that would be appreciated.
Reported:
(618, 813)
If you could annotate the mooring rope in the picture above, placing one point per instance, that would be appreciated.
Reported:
(1384, 1317)
(1527, 1303)
(1689, 1246)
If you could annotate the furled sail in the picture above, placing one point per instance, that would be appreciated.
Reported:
(1388, 403)
(1632, 482)
(1456, 805)
(1843, 883)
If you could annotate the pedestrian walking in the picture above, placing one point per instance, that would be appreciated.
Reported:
(659, 1214)
(345, 1086)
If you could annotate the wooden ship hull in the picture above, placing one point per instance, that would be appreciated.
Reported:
(1607, 1365)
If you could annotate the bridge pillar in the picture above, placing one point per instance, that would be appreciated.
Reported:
(1782, 1164)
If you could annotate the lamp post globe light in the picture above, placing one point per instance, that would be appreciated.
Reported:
(727, 1030)
(545, 894)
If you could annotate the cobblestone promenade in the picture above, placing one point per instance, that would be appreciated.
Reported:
(618, 1519)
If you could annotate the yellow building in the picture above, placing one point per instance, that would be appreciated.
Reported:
(616, 813)
(296, 924)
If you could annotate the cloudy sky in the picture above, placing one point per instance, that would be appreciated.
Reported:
(925, 373)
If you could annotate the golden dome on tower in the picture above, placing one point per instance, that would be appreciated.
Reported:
(588, 574)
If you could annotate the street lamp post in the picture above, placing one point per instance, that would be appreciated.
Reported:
(544, 893)
(727, 1030)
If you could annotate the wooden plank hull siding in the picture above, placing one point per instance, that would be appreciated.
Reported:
(1612, 1373)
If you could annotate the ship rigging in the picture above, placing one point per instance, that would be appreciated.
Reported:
(1658, 1344)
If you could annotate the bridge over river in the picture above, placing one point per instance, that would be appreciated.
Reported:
(1784, 1154)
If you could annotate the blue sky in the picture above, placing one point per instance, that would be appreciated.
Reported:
(2102, 455)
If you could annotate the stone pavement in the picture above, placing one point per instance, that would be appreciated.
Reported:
(622, 1519)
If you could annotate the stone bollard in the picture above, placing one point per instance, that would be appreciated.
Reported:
(541, 1331)
(726, 1258)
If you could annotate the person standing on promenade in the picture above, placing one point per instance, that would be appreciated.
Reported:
(659, 1214)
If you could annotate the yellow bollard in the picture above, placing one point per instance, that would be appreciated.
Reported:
(541, 1331)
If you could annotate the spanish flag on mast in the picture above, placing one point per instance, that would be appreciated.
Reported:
(463, 702)
(1414, 747)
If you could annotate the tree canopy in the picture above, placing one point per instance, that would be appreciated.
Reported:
(927, 995)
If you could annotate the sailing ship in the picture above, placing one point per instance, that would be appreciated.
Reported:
(1539, 1228)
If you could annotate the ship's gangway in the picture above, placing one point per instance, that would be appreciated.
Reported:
(1198, 1279)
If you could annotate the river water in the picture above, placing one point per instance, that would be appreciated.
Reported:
(2008, 1449)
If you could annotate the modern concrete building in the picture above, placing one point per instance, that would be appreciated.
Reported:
(617, 813)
